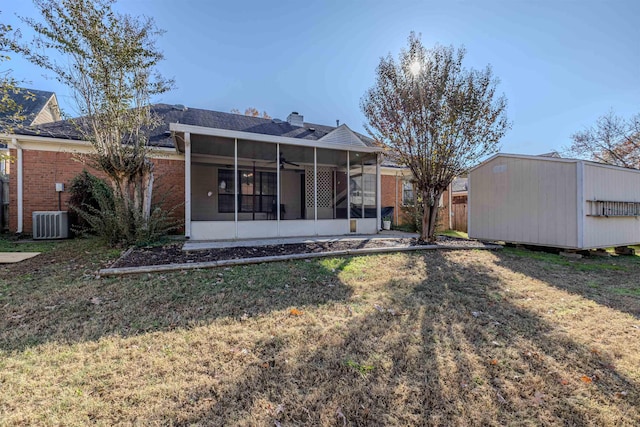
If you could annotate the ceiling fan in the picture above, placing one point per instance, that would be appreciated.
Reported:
(283, 161)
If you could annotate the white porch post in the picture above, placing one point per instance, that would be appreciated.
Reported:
(378, 192)
(187, 185)
(315, 190)
(235, 184)
(348, 190)
(20, 186)
(361, 188)
(278, 189)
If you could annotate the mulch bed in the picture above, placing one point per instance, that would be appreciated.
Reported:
(173, 254)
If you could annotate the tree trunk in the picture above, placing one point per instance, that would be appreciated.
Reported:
(147, 193)
(429, 217)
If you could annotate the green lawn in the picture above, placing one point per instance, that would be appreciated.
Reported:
(509, 337)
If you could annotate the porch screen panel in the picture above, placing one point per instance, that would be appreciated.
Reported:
(212, 183)
(369, 180)
(257, 180)
(356, 186)
(296, 171)
(332, 184)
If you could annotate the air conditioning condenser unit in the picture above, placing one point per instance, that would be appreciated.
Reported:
(50, 225)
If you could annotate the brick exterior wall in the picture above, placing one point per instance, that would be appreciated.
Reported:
(391, 193)
(42, 169)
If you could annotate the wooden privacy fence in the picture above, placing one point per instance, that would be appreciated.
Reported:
(459, 219)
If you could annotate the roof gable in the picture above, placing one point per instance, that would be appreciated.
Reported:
(32, 104)
(344, 136)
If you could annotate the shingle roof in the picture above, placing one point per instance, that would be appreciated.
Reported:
(160, 136)
(459, 185)
(32, 102)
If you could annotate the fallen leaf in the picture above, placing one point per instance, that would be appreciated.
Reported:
(564, 382)
(494, 361)
(586, 379)
(295, 312)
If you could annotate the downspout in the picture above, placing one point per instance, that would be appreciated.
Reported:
(397, 208)
(20, 185)
(187, 185)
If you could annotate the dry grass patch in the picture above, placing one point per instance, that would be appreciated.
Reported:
(435, 338)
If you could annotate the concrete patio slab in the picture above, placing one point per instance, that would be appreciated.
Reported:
(13, 257)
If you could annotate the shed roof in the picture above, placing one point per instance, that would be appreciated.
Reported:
(552, 159)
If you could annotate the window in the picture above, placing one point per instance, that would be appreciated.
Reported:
(407, 193)
(258, 192)
(226, 192)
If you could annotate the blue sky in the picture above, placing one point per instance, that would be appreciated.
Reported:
(561, 63)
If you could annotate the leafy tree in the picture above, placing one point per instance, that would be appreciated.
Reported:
(252, 112)
(109, 60)
(11, 112)
(438, 117)
(613, 140)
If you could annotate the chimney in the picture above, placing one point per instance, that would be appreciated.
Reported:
(295, 119)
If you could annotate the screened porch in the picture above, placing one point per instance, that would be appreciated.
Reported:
(246, 188)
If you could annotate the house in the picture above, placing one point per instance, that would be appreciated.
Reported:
(555, 202)
(230, 176)
(234, 176)
(35, 107)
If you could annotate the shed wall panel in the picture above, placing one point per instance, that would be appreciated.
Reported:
(609, 184)
(524, 200)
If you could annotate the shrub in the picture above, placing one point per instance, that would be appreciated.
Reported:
(103, 214)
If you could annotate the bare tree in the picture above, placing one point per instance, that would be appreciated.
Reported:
(109, 61)
(613, 140)
(438, 117)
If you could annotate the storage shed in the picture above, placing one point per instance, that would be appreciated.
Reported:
(546, 201)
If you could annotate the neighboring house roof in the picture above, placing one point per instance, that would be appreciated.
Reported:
(161, 136)
(38, 106)
(460, 185)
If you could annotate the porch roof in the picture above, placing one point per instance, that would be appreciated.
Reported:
(340, 142)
